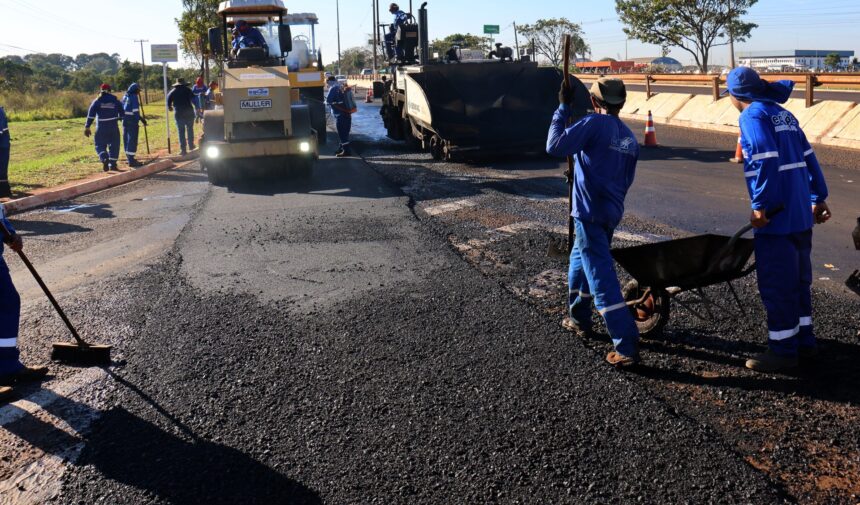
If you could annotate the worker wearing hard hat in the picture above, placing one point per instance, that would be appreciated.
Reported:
(131, 120)
(342, 105)
(606, 153)
(107, 110)
(781, 170)
(11, 368)
(5, 145)
(400, 19)
(245, 35)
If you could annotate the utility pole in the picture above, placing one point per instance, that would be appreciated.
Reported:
(375, 38)
(517, 41)
(143, 75)
(337, 7)
(731, 36)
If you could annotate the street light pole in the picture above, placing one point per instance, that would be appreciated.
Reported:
(375, 34)
(143, 73)
(731, 37)
(337, 7)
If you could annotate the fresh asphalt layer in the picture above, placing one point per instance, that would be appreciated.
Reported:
(387, 332)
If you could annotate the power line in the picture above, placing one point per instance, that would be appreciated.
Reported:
(58, 20)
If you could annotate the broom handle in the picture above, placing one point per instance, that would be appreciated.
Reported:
(7, 236)
(145, 133)
(569, 173)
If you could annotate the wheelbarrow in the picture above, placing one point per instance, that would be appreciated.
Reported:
(663, 270)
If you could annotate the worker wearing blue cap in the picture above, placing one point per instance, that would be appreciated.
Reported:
(781, 170)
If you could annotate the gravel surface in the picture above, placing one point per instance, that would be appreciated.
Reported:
(442, 387)
(797, 429)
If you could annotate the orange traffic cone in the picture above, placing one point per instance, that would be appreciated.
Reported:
(739, 153)
(369, 97)
(650, 132)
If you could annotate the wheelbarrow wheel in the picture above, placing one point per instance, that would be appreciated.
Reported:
(652, 314)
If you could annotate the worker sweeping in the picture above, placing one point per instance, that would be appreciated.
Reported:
(131, 121)
(107, 110)
(11, 368)
(781, 169)
(605, 152)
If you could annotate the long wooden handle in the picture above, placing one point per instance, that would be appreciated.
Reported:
(7, 237)
(569, 173)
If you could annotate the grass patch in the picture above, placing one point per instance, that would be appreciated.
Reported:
(52, 152)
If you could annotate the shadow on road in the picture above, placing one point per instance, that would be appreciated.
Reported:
(130, 450)
(43, 228)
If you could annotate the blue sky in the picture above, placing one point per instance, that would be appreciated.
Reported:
(95, 26)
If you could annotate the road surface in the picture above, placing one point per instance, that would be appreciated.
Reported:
(387, 331)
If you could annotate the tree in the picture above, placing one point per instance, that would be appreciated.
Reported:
(548, 37)
(832, 61)
(696, 26)
(354, 59)
(197, 17)
(464, 40)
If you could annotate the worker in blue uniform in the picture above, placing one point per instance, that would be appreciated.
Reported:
(11, 368)
(131, 121)
(342, 111)
(5, 146)
(108, 110)
(605, 152)
(400, 19)
(245, 35)
(781, 170)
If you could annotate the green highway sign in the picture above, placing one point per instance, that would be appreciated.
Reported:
(491, 29)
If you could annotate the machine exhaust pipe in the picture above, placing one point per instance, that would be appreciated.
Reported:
(423, 36)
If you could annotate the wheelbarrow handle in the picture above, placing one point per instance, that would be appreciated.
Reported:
(743, 231)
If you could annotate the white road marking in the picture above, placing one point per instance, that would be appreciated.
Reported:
(40, 480)
(435, 210)
(71, 208)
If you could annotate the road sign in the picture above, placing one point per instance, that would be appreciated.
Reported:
(491, 29)
(165, 53)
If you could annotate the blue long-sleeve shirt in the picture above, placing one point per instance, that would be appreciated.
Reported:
(780, 168)
(107, 108)
(4, 222)
(4, 130)
(336, 99)
(605, 153)
(131, 106)
(250, 38)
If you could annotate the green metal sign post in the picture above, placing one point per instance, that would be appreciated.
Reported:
(491, 29)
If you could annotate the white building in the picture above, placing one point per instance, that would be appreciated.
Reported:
(796, 59)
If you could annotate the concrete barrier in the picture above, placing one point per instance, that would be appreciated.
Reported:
(846, 132)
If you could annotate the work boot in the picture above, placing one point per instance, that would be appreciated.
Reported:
(25, 374)
(570, 325)
(5, 393)
(344, 153)
(134, 163)
(183, 152)
(192, 147)
(807, 352)
(619, 360)
(113, 166)
(105, 165)
(5, 190)
(769, 362)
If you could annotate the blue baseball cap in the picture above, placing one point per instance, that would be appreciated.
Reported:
(745, 83)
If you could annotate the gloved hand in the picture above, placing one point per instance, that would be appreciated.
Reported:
(170, 109)
(565, 94)
(143, 121)
(87, 132)
(821, 213)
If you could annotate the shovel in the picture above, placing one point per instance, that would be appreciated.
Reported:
(145, 133)
(581, 107)
(75, 352)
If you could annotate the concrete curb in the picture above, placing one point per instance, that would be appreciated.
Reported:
(75, 190)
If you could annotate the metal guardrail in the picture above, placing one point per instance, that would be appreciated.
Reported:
(809, 81)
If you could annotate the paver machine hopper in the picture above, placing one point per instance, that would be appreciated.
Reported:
(454, 106)
(262, 124)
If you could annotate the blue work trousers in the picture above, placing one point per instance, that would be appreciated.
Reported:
(107, 141)
(592, 277)
(4, 164)
(10, 313)
(185, 132)
(343, 123)
(129, 139)
(784, 271)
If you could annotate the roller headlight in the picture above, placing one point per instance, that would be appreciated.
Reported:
(305, 147)
(212, 152)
